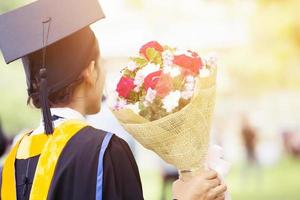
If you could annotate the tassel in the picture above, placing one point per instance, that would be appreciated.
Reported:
(48, 124)
(43, 90)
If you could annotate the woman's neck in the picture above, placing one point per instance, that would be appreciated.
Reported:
(78, 102)
(78, 106)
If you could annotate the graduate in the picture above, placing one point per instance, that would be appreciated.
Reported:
(65, 158)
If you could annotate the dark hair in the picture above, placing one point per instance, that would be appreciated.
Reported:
(62, 96)
(65, 60)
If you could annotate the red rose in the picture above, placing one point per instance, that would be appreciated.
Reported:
(152, 44)
(160, 82)
(125, 86)
(193, 64)
(152, 79)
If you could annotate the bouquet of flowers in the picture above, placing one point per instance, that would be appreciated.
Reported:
(165, 100)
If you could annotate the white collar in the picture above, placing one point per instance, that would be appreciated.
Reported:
(65, 114)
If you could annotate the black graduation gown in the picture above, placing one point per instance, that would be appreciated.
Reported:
(75, 174)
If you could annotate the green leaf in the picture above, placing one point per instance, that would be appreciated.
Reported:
(166, 47)
(133, 97)
(139, 61)
(128, 73)
(154, 56)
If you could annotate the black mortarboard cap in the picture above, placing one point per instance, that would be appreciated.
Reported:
(55, 35)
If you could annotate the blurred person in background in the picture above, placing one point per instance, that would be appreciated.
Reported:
(249, 138)
(291, 142)
(5, 141)
(111, 124)
(169, 174)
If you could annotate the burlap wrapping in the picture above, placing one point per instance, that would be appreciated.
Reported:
(181, 138)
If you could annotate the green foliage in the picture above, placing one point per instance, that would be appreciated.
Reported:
(271, 59)
(154, 111)
(172, 49)
(278, 182)
(134, 97)
(128, 73)
(7, 5)
(14, 113)
(154, 56)
(139, 61)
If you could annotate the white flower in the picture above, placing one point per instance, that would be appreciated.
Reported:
(145, 71)
(131, 66)
(146, 103)
(168, 62)
(167, 69)
(171, 101)
(187, 94)
(120, 104)
(137, 89)
(134, 107)
(175, 71)
(211, 60)
(189, 86)
(150, 96)
(138, 80)
(190, 79)
(168, 58)
(149, 68)
(167, 55)
(204, 73)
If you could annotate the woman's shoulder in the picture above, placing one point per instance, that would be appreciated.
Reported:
(91, 140)
(115, 149)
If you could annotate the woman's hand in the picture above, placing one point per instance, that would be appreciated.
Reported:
(206, 186)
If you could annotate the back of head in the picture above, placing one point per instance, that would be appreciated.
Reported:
(65, 61)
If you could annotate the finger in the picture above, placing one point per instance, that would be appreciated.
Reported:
(211, 174)
(220, 198)
(218, 191)
(215, 192)
(214, 182)
(210, 184)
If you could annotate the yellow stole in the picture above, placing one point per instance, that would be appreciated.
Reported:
(49, 149)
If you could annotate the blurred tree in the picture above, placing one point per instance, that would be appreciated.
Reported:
(138, 4)
(12, 4)
(14, 113)
(276, 37)
(272, 59)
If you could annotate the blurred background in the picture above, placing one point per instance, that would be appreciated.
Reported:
(257, 119)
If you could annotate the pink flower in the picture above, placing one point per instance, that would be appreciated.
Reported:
(162, 83)
(150, 96)
(125, 86)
